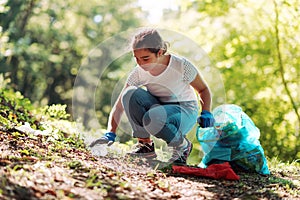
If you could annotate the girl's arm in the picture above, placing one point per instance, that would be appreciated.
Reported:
(112, 125)
(204, 92)
(116, 114)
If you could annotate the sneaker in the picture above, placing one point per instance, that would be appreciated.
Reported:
(145, 150)
(180, 155)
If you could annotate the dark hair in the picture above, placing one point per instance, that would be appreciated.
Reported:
(149, 39)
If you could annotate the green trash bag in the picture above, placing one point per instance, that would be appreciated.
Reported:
(234, 139)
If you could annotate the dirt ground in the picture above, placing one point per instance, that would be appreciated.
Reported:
(32, 169)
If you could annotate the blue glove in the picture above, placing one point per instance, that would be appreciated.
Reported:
(107, 138)
(206, 119)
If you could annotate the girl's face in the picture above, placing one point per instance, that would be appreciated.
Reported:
(146, 59)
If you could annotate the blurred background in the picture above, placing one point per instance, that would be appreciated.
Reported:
(253, 46)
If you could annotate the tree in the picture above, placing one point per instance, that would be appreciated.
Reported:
(253, 45)
(49, 39)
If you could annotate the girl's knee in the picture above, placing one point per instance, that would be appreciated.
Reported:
(128, 93)
(155, 115)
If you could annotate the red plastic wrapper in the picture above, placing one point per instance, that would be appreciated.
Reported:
(214, 171)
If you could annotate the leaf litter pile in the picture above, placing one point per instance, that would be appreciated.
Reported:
(34, 167)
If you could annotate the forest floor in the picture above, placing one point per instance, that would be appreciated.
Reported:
(36, 168)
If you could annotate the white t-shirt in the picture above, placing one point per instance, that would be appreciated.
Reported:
(172, 85)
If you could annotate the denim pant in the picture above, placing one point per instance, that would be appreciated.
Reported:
(148, 116)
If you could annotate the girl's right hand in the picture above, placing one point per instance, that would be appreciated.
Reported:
(107, 138)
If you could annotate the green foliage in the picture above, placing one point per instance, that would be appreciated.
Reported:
(214, 7)
(93, 181)
(112, 79)
(56, 111)
(44, 42)
(258, 58)
(49, 121)
(250, 54)
(75, 164)
(14, 108)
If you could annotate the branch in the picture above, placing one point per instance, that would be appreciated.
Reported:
(281, 67)
(27, 13)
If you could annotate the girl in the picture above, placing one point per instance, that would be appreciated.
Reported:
(159, 99)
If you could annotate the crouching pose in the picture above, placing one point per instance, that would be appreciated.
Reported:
(159, 99)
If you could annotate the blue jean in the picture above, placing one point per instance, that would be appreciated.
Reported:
(148, 116)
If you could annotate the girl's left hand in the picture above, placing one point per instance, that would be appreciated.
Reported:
(206, 119)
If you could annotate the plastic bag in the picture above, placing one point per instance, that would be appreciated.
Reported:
(234, 139)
